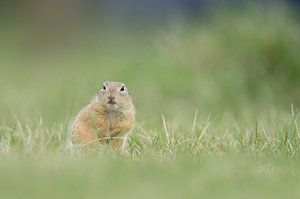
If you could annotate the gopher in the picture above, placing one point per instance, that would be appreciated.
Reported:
(107, 118)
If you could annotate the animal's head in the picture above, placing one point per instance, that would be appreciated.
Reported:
(114, 96)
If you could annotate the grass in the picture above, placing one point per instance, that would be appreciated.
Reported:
(211, 159)
(213, 100)
(276, 137)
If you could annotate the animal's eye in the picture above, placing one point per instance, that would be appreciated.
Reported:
(103, 88)
(122, 88)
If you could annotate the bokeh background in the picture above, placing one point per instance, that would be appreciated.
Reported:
(237, 62)
(235, 57)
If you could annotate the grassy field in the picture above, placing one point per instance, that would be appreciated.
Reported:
(217, 110)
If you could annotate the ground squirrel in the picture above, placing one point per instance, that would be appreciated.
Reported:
(107, 118)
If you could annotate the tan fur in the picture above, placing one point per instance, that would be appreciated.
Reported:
(98, 123)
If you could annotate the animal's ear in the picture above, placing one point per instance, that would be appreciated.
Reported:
(105, 83)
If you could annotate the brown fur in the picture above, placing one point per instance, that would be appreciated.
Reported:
(99, 123)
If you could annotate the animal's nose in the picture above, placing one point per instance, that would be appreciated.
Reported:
(111, 97)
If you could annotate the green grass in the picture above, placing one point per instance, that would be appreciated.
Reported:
(217, 110)
(213, 159)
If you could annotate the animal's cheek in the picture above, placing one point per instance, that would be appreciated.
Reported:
(122, 94)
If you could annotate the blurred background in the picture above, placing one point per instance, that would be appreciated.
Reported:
(175, 56)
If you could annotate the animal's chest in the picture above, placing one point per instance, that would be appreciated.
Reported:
(106, 124)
